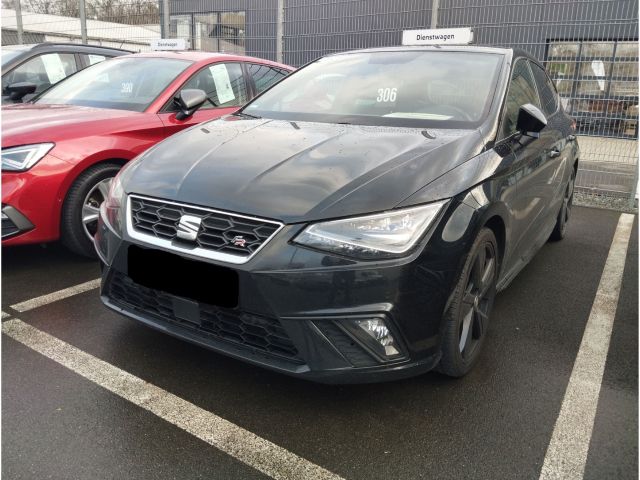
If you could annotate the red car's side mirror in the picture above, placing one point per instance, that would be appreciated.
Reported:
(188, 101)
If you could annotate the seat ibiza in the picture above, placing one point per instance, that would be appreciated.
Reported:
(355, 221)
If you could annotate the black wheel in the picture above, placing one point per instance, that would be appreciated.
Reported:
(82, 206)
(565, 210)
(467, 318)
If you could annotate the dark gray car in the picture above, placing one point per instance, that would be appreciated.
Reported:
(30, 69)
(352, 223)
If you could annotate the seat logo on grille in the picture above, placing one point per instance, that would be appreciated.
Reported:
(188, 227)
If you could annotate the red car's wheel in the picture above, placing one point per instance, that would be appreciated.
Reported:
(82, 206)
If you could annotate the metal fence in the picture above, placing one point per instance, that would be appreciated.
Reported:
(589, 47)
(113, 24)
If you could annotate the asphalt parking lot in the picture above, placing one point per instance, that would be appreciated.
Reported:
(497, 422)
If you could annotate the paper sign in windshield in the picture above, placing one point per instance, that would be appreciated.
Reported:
(54, 68)
(223, 84)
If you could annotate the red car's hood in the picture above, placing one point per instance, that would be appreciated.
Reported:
(33, 123)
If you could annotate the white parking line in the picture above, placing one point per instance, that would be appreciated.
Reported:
(55, 296)
(241, 444)
(5, 315)
(567, 452)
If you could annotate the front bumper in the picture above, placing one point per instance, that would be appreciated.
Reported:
(32, 201)
(13, 222)
(292, 305)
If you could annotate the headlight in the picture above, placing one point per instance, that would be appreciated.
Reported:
(111, 208)
(19, 159)
(374, 236)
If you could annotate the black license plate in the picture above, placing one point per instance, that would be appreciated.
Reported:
(176, 275)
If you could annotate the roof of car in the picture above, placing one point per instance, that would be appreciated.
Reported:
(79, 46)
(205, 56)
(448, 48)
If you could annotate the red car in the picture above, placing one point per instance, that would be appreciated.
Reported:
(60, 152)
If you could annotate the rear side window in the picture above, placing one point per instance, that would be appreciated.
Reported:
(521, 91)
(548, 95)
(44, 70)
(92, 59)
(265, 76)
(223, 83)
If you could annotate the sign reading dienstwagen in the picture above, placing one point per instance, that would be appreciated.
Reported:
(438, 36)
(168, 44)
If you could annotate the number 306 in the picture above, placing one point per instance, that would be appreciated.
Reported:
(387, 94)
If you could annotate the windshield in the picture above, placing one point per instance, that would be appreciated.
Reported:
(124, 83)
(398, 88)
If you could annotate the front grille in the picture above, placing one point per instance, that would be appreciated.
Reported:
(253, 331)
(220, 232)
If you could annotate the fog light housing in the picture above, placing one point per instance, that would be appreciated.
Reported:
(375, 334)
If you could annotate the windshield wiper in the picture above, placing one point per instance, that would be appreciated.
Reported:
(246, 115)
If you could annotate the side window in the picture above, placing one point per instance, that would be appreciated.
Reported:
(223, 83)
(265, 76)
(92, 59)
(548, 95)
(43, 70)
(521, 90)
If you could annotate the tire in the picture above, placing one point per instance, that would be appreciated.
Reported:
(560, 228)
(466, 320)
(81, 207)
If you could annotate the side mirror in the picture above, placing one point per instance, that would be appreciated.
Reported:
(18, 90)
(531, 121)
(188, 101)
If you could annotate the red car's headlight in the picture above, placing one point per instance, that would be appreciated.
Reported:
(19, 159)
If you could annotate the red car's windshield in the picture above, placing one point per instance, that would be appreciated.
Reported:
(125, 83)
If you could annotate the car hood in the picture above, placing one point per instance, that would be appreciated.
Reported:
(35, 123)
(297, 171)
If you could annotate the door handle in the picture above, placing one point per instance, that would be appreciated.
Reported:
(554, 152)
(571, 138)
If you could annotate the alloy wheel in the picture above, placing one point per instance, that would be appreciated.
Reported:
(477, 300)
(91, 206)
